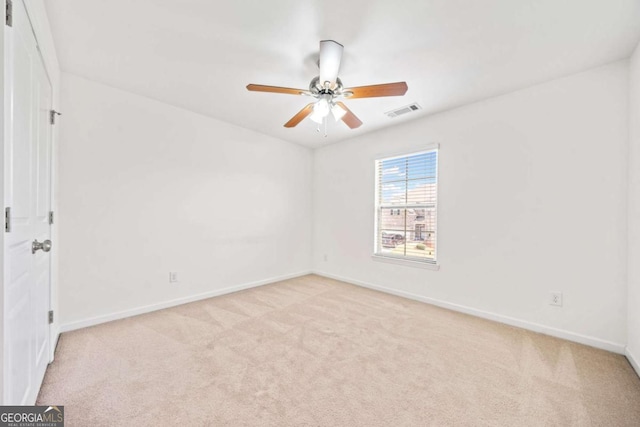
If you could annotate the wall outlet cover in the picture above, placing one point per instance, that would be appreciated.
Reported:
(555, 298)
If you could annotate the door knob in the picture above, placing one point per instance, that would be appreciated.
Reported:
(45, 246)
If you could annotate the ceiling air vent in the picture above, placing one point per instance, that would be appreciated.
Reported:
(404, 110)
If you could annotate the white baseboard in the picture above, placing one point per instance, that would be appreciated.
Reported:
(531, 326)
(92, 321)
(634, 361)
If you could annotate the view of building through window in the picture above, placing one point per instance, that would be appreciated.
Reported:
(406, 206)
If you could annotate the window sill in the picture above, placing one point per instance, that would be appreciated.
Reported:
(409, 263)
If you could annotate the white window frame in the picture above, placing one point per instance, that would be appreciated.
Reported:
(402, 260)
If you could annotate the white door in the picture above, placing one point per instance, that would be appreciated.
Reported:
(28, 196)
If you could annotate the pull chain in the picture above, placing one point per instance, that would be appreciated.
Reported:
(324, 122)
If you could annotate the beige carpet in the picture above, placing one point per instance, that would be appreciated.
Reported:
(317, 352)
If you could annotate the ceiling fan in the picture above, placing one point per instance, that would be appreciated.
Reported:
(327, 89)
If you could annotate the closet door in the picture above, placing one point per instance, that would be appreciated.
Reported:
(28, 200)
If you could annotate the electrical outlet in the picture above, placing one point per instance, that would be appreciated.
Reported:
(326, 258)
(556, 298)
(173, 276)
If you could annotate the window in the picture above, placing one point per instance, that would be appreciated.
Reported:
(406, 206)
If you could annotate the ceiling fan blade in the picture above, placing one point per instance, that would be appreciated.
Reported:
(300, 116)
(374, 91)
(275, 89)
(330, 57)
(349, 118)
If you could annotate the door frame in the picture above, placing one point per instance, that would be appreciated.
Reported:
(36, 11)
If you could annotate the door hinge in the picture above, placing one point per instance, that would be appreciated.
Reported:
(50, 217)
(9, 13)
(51, 317)
(52, 116)
(7, 220)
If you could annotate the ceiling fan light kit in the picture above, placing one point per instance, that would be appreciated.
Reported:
(328, 91)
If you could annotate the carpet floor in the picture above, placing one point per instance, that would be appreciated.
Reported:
(313, 351)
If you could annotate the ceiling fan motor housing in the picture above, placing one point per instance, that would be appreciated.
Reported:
(318, 88)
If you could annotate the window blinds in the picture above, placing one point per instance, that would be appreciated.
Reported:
(406, 206)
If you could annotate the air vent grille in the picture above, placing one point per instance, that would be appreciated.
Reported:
(404, 110)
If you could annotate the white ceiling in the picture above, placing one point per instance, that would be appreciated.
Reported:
(200, 54)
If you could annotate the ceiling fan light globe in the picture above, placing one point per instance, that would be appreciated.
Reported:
(338, 112)
(317, 118)
(321, 107)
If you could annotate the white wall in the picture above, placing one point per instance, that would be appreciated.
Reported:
(633, 337)
(147, 188)
(532, 200)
